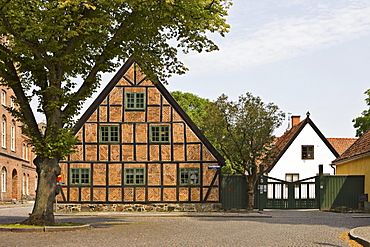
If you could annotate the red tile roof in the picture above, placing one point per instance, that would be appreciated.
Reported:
(358, 149)
(282, 143)
(341, 144)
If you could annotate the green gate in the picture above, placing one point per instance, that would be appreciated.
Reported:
(280, 194)
(321, 192)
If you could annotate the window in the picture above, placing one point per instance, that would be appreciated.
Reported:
(109, 133)
(160, 134)
(291, 177)
(135, 101)
(27, 184)
(80, 175)
(3, 180)
(134, 176)
(23, 151)
(12, 102)
(12, 137)
(26, 151)
(307, 152)
(3, 133)
(189, 176)
(24, 185)
(3, 97)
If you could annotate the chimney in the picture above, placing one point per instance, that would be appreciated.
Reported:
(295, 120)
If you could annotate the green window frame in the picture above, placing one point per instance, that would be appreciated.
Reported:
(109, 133)
(160, 133)
(189, 176)
(80, 176)
(134, 176)
(308, 152)
(135, 101)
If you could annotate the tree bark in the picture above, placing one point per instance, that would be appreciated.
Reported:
(42, 214)
(251, 181)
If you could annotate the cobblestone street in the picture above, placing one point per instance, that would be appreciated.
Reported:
(285, 228)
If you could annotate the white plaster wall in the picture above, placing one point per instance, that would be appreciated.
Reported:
(291, 161)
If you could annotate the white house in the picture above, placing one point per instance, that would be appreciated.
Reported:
(300, 152)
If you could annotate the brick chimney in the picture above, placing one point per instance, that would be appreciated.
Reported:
(295, 120)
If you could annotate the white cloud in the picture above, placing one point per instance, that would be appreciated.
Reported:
(285, 38)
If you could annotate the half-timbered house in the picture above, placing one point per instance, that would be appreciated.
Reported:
(137, 146)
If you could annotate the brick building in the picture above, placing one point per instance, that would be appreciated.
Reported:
(139, 147)
(18, 178)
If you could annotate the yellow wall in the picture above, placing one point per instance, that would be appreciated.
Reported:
(357, 167)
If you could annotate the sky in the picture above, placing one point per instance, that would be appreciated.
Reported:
(309, 55)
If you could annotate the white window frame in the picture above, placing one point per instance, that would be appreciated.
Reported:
(26, 156)
(3, 179)
(3, 97)
(291, 177)
(3, 134)
(12, 138)
(24, 184)
(27, 184)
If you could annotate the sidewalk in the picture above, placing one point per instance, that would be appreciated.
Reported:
(361, 235)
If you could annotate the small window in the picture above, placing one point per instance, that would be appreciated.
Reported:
(3, 133)
(80, 175)
(307, 152)
(134, 176)
(3, 180)
(160, 134)
(12, 102)
(12, 138)
(189, 176)
(291, 177)
(109, 133)
(3, 97)
(135, 101)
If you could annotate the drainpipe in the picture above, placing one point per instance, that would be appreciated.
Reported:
(332, 166)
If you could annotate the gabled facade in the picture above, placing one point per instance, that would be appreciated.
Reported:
(300, 152)
(138, 146)
(18, 177)
(356, 160)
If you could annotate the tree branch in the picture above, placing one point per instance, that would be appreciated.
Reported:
(14, 82)
(91, 78)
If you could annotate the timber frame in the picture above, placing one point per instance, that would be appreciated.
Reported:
(133, 166)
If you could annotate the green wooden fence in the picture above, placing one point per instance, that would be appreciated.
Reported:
(321, 192)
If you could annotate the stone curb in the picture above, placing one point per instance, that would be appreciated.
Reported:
(105, 214)
(361, 240)
(45, 228)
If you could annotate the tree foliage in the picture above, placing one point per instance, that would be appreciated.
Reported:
(242, 131)
(47, 44)
(362, 123)
(193, 105)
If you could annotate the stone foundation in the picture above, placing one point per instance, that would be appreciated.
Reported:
(151, 207)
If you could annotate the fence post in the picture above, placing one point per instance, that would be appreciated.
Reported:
(320, 192)
(262, 189)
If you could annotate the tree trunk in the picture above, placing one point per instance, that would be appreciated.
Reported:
(251, 181)
(42, 214)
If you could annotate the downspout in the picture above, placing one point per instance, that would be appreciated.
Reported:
(332, 166)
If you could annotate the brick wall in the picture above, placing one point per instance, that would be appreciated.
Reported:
(18, 176)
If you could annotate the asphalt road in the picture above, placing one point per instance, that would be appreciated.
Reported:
(285, 228)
